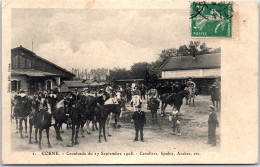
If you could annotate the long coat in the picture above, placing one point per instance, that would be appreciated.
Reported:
(139, 119)
(213, 121)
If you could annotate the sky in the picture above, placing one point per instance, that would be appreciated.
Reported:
(95, 38)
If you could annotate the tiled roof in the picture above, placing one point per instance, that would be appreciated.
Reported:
(75, 84)
(187, 62)
(31, 73)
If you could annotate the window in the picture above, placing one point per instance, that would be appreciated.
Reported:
(28, 63)
(15, 85)
(22, 62)
(15, 61)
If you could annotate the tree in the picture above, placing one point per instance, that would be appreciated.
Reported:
(168, 53)
(193, 48)
(117, 74)
(183, 51)
(139, 70)
(204, 49)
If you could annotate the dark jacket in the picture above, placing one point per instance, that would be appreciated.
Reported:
(213, 121)
(139, 118)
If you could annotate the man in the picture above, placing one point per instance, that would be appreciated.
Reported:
(212, 125)
(134, 84)
(139, 122)
(136, 91)
(143, 91)
(153, 93)
(190, 83)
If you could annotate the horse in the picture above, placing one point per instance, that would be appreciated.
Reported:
(215, 96)
(14, 113)
(60, 114)
(21, 112)
(102, 113)
(174, 99)
(40, 118)
(153, 105)
(76, 115)
(89, 115)
(190, 94)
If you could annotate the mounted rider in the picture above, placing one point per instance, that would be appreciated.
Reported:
(153, 93)
(191, 84)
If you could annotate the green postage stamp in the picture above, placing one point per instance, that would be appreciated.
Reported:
(211, 19)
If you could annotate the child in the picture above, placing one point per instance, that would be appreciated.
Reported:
(139, 121)
(176, 122)
(212, 125)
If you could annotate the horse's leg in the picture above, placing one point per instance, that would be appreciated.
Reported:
(30, 131)
(213, 102)
(21, 127)
(100, 129)
(162, 108)
(81, 129)
(59, 127)
(217, 105)
(95, 123)
(61, 131)
(107, 123)
(193, 100)
(88, 130)
(155, 115)
(17, 125)
(104, 132)
(25, 124)
(40, 139)
(56, 129)
(77, 132)
(36, 138)
(47, 133)
(73, 133)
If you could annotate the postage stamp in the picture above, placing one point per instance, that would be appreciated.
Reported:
(211, 19)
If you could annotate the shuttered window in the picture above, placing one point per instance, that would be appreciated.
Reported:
(15, 85)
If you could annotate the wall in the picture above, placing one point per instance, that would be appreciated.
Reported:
(198, 73)
(23, 81)
(64, 88)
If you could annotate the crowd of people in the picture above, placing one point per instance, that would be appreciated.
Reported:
(134, 93)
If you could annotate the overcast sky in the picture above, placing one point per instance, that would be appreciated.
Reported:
(97, 38)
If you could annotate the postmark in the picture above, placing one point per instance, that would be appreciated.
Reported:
(211, 19)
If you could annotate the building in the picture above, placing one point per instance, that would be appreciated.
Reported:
(69, 86)
(33, 73)
(204, 70)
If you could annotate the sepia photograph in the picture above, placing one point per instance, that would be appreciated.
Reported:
(118, 82)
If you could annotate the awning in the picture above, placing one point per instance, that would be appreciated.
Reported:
(31, 73)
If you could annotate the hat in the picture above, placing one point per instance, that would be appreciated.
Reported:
(212, 107)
